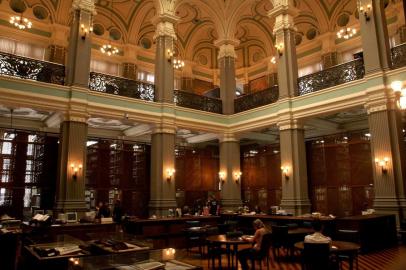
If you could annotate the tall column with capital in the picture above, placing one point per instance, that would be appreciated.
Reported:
(374, 34)
(295, 197)
(70, 188)
(284, 30)
(163, 139)
(388, 156)
(230, 172)
(228, 84)
(80, 44)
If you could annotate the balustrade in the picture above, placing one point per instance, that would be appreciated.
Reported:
(256, 99)
(332, 76)
(198, 102)
(32, 69)
(121, 86)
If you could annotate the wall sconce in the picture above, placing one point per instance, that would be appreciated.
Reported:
(279, 48)
(237, 176)
(397, 87)
(285, 171)
(222, 176)
(169, 174)
(75, 170)
(383, 163)
(273, 60)
(85, 30)
(366, 11)
(169, 55)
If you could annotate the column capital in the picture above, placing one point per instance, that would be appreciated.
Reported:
(228, 137)
(86, 5)
(286, 124)
(227, 47)
(284, 12)
(165, 25)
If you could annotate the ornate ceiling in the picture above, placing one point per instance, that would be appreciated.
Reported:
(203, 22)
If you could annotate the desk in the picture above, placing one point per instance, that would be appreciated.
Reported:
(222, 239)
(339, 248)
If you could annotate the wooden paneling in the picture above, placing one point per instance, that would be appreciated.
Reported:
(340, 174)
(261, 176)
(196, 173)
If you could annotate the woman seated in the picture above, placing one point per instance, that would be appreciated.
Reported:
(246, 254)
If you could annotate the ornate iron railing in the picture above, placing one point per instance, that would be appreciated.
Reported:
(198, 102)
(256, 99)
(121, 86)
(399, 56)
(32, 69)
(332, 76)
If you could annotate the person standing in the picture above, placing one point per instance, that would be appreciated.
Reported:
(117, 212)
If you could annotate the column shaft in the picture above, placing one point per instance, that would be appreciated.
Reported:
(164, 77)
(70, 192)
(375, 39)
(230, 164)
(227, 83)
(295, 197)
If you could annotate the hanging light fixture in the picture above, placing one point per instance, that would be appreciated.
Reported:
(177, 63)
(108, 48)
(346, 33)
(20, 22)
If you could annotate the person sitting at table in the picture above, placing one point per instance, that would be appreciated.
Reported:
(246, 254)
(317, 236)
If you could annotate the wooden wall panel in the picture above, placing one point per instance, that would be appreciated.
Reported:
(340, 174)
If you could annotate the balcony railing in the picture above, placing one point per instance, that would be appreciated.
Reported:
(399, 56)
(332, 76)
(121, 86)
(256, 99)
(198, 102)
(32, 69)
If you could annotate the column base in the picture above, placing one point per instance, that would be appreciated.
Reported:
(70, 206)
(161, 207)
(391, 206)
(296, 206)
(230, 204)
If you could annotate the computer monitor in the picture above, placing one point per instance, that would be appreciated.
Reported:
(71, 217)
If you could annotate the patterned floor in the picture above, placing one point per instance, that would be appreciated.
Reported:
(390, 259)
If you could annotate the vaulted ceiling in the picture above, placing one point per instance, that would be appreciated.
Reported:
(202, 22)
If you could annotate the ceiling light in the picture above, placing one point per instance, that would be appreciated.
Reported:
(109, 49)
(20, 22)
(346, 33)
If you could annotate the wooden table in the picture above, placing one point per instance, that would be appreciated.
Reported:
(222, 239)
(339, 248)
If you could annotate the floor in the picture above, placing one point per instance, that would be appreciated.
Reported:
(390, 259)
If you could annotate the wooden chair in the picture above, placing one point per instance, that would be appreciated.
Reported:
(316, 256)
(280, 239)
(348, 236)
(263, 252)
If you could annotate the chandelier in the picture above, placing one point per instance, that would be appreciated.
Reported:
(177, 63)
(20, 22)
(109, 49)
(346, 33)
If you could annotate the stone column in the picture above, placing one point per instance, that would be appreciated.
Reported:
(162, 195)
(70, 188)
(375, 39)
(130, 71)
(78, 63)
(385, 126)
(295, 197)
(56, 54)
(284, 30)
(228, 85)
(229, 165)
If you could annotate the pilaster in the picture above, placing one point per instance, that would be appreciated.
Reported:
(295, 197)
(162, 195)
(79, 51)
(230, 168)
(374, 34)
(70, 191)
(388, 150)
(228, 84)
(284, 31)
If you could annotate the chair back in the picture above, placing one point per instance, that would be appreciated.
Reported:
(192, 223)
(265, 244)
(279, 236)
(316, 256)
(348, 236)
